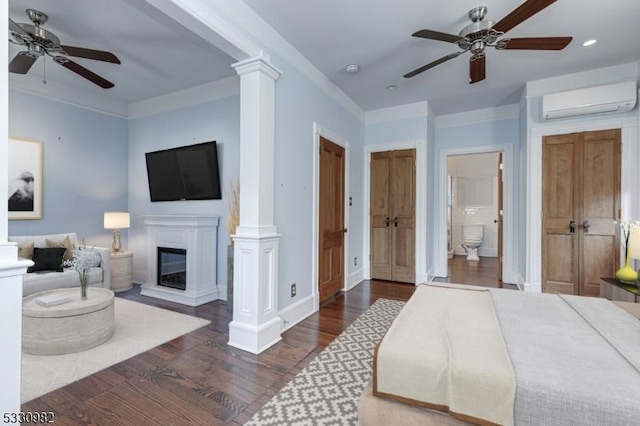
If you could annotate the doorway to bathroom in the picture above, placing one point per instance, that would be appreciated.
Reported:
(474, 218)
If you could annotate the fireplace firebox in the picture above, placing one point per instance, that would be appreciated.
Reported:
(172, 268)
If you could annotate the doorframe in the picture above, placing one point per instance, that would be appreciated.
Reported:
(440, 234)
(630, 187)
(420, 260)
(315, 216)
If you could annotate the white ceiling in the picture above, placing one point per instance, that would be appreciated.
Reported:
(159, 56)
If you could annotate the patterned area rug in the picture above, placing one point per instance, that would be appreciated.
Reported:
(326, 392)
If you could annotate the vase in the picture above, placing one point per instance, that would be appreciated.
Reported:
(83, 284)
(627, 274)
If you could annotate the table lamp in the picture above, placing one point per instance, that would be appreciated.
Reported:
(116, 221)
(633, 245)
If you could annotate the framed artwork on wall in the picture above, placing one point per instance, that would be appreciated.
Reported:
(25, 179)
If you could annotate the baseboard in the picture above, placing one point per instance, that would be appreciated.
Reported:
(355, 278)
(222, 292)
(293, 314)
(520, 283)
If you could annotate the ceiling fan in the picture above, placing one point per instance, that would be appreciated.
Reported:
(481, 34)
(39, 42)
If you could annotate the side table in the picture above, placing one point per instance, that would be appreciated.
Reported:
(121, 271)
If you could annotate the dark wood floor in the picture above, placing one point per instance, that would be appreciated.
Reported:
(197, 379)
(484, 272)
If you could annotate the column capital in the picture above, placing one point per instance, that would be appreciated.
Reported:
(259, 63)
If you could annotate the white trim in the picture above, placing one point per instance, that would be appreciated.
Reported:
(477, 116)
(243, 16)
(420, 145)
(202, 93)
(66, 94)
(440, 233)
(338, 140)
(400, 112)
(629, 182)
(296, 312)
(354, 278)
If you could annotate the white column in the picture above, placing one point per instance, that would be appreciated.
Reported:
(256, 324)
(11, 269)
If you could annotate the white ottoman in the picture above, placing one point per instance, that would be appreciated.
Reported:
(70, 327)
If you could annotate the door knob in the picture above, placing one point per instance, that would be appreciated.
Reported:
(395, 222)
(586, 225)
(386, 221)
(572, 226)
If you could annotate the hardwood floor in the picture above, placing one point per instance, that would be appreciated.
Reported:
(197, 379)
(483, 273)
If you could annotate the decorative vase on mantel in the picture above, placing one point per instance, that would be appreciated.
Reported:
(627, 274)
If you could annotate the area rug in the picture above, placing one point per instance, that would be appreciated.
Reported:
(326, 392)
(138, 328)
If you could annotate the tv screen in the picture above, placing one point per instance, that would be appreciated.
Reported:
(184, 173)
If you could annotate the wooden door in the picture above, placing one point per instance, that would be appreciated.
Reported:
(581, 201)
(392, 215)
(600, 207)
(331, 220)
(500, 213)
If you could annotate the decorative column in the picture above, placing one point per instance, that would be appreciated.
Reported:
(256, 324)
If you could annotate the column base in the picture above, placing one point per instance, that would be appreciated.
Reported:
(254, 339)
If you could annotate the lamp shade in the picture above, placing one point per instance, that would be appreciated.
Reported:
(633, 247)
(116, 220)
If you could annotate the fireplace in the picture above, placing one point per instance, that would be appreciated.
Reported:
(181, 258)
(172, 268)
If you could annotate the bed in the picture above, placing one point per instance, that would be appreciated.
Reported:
(470, 355)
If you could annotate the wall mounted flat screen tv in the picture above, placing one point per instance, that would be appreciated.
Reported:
(184, 173)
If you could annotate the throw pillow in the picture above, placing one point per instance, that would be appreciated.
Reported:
(66, 243)
(47, 259)
(26, 250)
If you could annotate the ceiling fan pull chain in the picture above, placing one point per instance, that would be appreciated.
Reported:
(44, 69)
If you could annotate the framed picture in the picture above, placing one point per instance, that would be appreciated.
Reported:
(25, 179)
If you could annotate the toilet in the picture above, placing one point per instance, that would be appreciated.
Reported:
(471, 240)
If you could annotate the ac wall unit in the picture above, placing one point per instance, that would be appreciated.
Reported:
(619, 97)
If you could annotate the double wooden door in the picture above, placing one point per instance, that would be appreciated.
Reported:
(392, 215)
(581, 202)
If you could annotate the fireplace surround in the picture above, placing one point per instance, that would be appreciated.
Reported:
(196, 238)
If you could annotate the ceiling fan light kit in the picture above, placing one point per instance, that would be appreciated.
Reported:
(481, 33)
(39, 42)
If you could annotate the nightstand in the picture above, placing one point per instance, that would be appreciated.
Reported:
(614, 290)
(121, 271)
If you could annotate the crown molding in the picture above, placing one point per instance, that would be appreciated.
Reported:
(400, 112)
(478, 116)
(195, 95)
(61, 92)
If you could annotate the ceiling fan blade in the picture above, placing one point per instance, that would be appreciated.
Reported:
(477, 69)
(431, 65)
(83, 72)
(97, 55)
(435, 35)
(22, 63)
(525, 11)
(16, 29)
(538, 43)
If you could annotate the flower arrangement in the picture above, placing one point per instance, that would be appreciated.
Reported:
(233, 217)
(84, 259)
(625, 227)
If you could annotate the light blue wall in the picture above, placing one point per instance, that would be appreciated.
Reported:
(478, 135)
(404, 130)
(299, 104)
(84, 166)
(431, 190)
(215, 120)
(523, 242)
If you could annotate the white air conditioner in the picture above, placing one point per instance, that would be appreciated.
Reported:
(619, 97)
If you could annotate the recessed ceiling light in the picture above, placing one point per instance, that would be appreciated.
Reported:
(392, 87)
(589, 42)
(352, 68)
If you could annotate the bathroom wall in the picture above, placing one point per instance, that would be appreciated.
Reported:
(475, 199)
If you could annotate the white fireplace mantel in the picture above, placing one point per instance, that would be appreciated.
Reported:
(198, 236)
